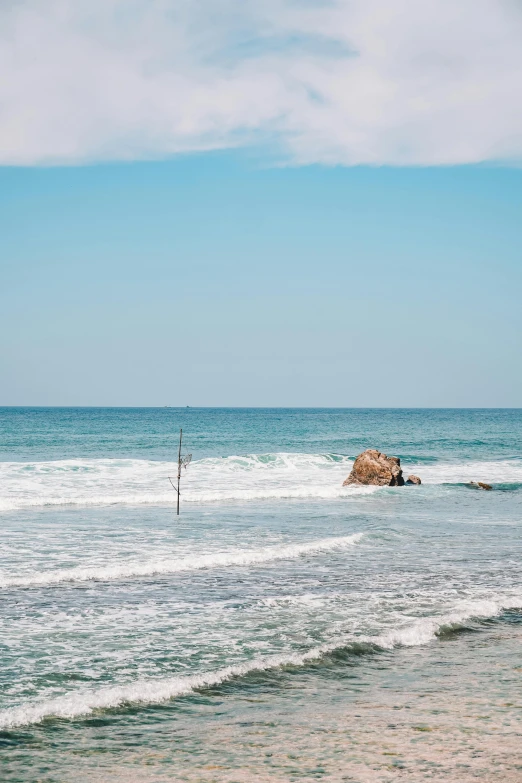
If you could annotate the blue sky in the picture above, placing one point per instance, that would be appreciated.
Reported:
(306, 204)
(208, 280)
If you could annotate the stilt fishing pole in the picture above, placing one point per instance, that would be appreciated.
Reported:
(182, 463)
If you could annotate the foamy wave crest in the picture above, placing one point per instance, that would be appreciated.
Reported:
(82, 703)
(174, 565)
(253, 477)
(136, 482)
(141, 692)
(426, 629)
(493, 472)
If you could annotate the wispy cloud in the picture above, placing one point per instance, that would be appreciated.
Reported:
(400, 82)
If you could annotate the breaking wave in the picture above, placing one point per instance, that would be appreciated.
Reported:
(174, 565)
(278, 476)
(82, 703)
(136, 482)
(492, 472)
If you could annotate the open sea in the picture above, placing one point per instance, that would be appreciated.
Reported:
(282, 628)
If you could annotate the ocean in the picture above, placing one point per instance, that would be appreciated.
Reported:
(283, 627)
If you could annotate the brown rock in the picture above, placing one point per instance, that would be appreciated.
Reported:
(413, 480)
(372, 467)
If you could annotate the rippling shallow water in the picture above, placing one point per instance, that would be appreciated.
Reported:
(277, 628)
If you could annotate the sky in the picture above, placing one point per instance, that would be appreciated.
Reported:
(288, 203)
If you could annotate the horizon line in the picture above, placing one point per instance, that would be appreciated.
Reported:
(263, 407)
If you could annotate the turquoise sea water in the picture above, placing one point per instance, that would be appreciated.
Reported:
(283, 627)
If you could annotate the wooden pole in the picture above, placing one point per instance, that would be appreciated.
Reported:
(179, 466)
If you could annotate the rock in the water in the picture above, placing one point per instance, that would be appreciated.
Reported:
(372, 467)
(413, 480)
(479, 485)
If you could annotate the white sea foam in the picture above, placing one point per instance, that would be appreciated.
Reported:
(136, 482)
(173, 565)
(492, 472)
(426, 629)
(255, 477)
(83, 702)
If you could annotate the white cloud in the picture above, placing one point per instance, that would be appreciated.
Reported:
(334, 81)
